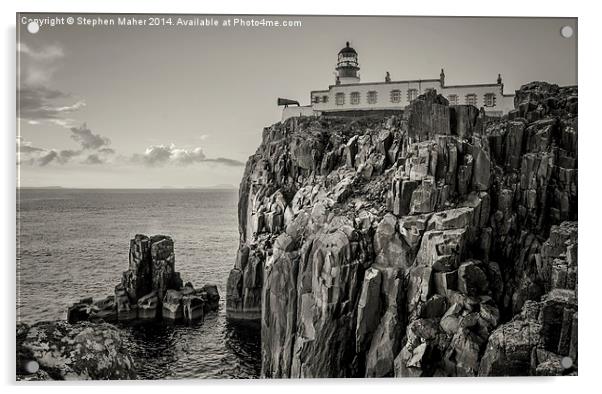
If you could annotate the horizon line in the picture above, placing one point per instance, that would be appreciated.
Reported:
(131, 188)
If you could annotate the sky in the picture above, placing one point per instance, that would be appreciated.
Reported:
(185, 106)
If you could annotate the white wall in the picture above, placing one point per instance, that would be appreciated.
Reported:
(503, 104)
(291, 111)
(383, 93)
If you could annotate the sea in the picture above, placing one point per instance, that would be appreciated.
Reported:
(74, 243)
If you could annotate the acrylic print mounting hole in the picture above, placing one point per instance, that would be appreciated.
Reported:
(33, 27)
(566, 31)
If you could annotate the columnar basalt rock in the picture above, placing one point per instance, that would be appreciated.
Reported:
(406, 245)
(163, 276)
(149, 290)
(137, 279)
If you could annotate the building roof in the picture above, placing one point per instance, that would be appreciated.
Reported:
(385, 83)
(347, 50)
(473, 85)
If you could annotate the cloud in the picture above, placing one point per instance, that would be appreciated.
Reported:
(108, 151)
(93, 147)
(157, 155)
(67, 154)
(93, 159)
(227, 162)
(47, 158)
(43, 157)
(48, 53)
(37, 103)
(87, 139)
(26, 146)
(94, 150)
(38, 65)
(164, 154)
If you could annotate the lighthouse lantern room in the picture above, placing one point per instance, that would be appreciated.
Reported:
(347, 66)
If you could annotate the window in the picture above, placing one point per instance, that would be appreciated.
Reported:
(372, 97)
(489, 100)
(324, 99)
(471, 99)
(453, 99)
(355, 98)
(339, 98)
(412, 94)
(395, 96)
(315, 99)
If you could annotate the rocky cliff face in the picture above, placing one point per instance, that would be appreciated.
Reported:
(437, 243)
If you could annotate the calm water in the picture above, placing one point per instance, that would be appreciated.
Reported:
(74, 243)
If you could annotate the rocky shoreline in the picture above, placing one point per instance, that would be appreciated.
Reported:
(437, 243)
(89, 345)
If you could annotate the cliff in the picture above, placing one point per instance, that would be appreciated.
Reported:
(412, 245)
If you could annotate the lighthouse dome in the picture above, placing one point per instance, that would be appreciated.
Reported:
(347, 50)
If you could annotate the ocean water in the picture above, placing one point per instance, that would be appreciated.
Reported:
(74, 243)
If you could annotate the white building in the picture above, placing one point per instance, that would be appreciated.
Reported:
(348, 94)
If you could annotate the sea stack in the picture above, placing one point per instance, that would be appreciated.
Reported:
(150, 289)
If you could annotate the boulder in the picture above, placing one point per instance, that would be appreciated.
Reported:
(415, 358)
(78, 312)
(193, 307)
(126, 311)
(211, 296)
(472, 281)
(434, 307)
(459, 218)
(104, 310)
(509, 347)
(442, 250)
(148, 306)
(462, 356)
(172, 305)
(82, 351)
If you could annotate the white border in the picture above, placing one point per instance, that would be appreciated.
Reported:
(590, 157)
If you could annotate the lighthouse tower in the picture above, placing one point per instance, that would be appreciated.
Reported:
(347, 66)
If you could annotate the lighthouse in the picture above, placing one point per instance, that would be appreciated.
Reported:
(350, 97)
(347, 66)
